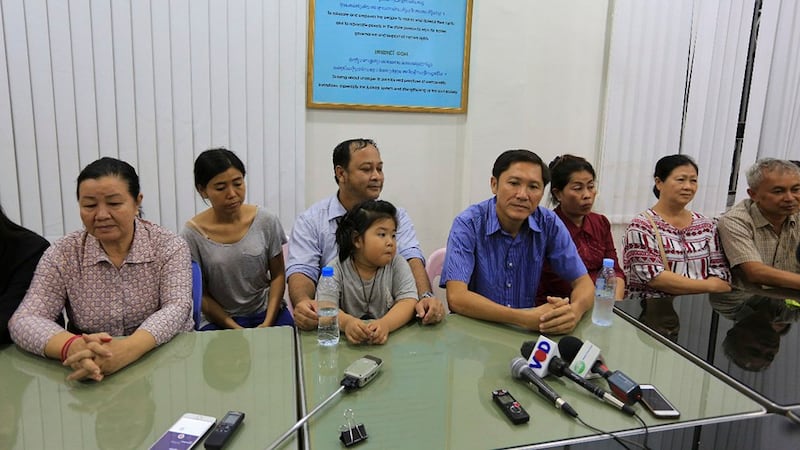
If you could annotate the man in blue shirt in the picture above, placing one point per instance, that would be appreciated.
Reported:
(358, 171)
(496, 250)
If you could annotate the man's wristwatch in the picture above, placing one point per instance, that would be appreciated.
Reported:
(426, 295)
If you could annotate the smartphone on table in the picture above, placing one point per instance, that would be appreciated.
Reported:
(185, 433)
(656, 403)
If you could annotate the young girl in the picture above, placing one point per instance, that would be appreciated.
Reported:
(238, 247)
(376, 288)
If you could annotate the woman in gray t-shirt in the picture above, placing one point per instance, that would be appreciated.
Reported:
(238, 247)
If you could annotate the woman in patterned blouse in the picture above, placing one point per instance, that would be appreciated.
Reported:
(121, 276)
(689, 240)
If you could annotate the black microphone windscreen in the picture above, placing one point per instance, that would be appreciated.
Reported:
(527, 349)
(569, 346)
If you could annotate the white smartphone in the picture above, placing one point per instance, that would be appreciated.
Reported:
(654, 401)
(185, 433)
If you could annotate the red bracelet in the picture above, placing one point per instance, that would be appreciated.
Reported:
(65, 347)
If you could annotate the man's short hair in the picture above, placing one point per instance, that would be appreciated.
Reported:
(342, 152)
(508, 157)
(755, 174)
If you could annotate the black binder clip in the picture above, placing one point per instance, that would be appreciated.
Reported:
(350, 433)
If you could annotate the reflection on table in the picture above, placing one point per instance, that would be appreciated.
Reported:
(749, 335)
(206, 373)
(759, 323)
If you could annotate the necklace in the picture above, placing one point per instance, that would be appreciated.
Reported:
(367, 315)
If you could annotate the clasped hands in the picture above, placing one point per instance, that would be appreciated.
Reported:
(358, 331)
(430, 310)
(558, 316)
(93, 356)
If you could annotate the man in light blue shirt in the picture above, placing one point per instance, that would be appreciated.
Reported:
(496, 250)
(358, 171)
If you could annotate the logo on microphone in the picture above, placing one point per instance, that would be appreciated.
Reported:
(587, 355)
(541, 353)
(544, 351)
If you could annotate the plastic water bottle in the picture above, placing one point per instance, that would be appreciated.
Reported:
(605, 288)
(327, 309)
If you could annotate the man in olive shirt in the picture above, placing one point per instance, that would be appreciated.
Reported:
(761, 234)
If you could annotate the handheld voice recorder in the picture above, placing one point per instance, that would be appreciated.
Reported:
(224, 430)
(364, 369)
(510, 406)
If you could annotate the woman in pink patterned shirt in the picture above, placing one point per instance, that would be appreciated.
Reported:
(121, 276)
(690, 242)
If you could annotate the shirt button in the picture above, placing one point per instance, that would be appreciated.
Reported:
(510, 264)
(508, 285)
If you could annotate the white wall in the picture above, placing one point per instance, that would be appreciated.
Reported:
(773, 117)
(536, 82)
(154, 84)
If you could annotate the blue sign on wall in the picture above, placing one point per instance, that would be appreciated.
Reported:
(407, 55)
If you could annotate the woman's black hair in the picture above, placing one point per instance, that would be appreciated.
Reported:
(562, 167)
(213, 162)
(105, 167)
(9, 229)
(667, 164)
(358, 220)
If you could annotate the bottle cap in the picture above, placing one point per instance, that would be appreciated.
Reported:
(327, 271)
(608, 262)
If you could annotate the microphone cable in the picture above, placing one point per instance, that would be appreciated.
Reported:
(646, 431)
(620, 440)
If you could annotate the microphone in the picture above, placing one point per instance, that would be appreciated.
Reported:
(521, 371)
(539, 354)
(560, 368)
(622, 386)
(584, 360)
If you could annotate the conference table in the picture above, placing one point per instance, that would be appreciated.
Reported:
(434, 389)
(206, 373)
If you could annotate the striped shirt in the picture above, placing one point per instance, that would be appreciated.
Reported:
(503, 268)
(693, 252)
